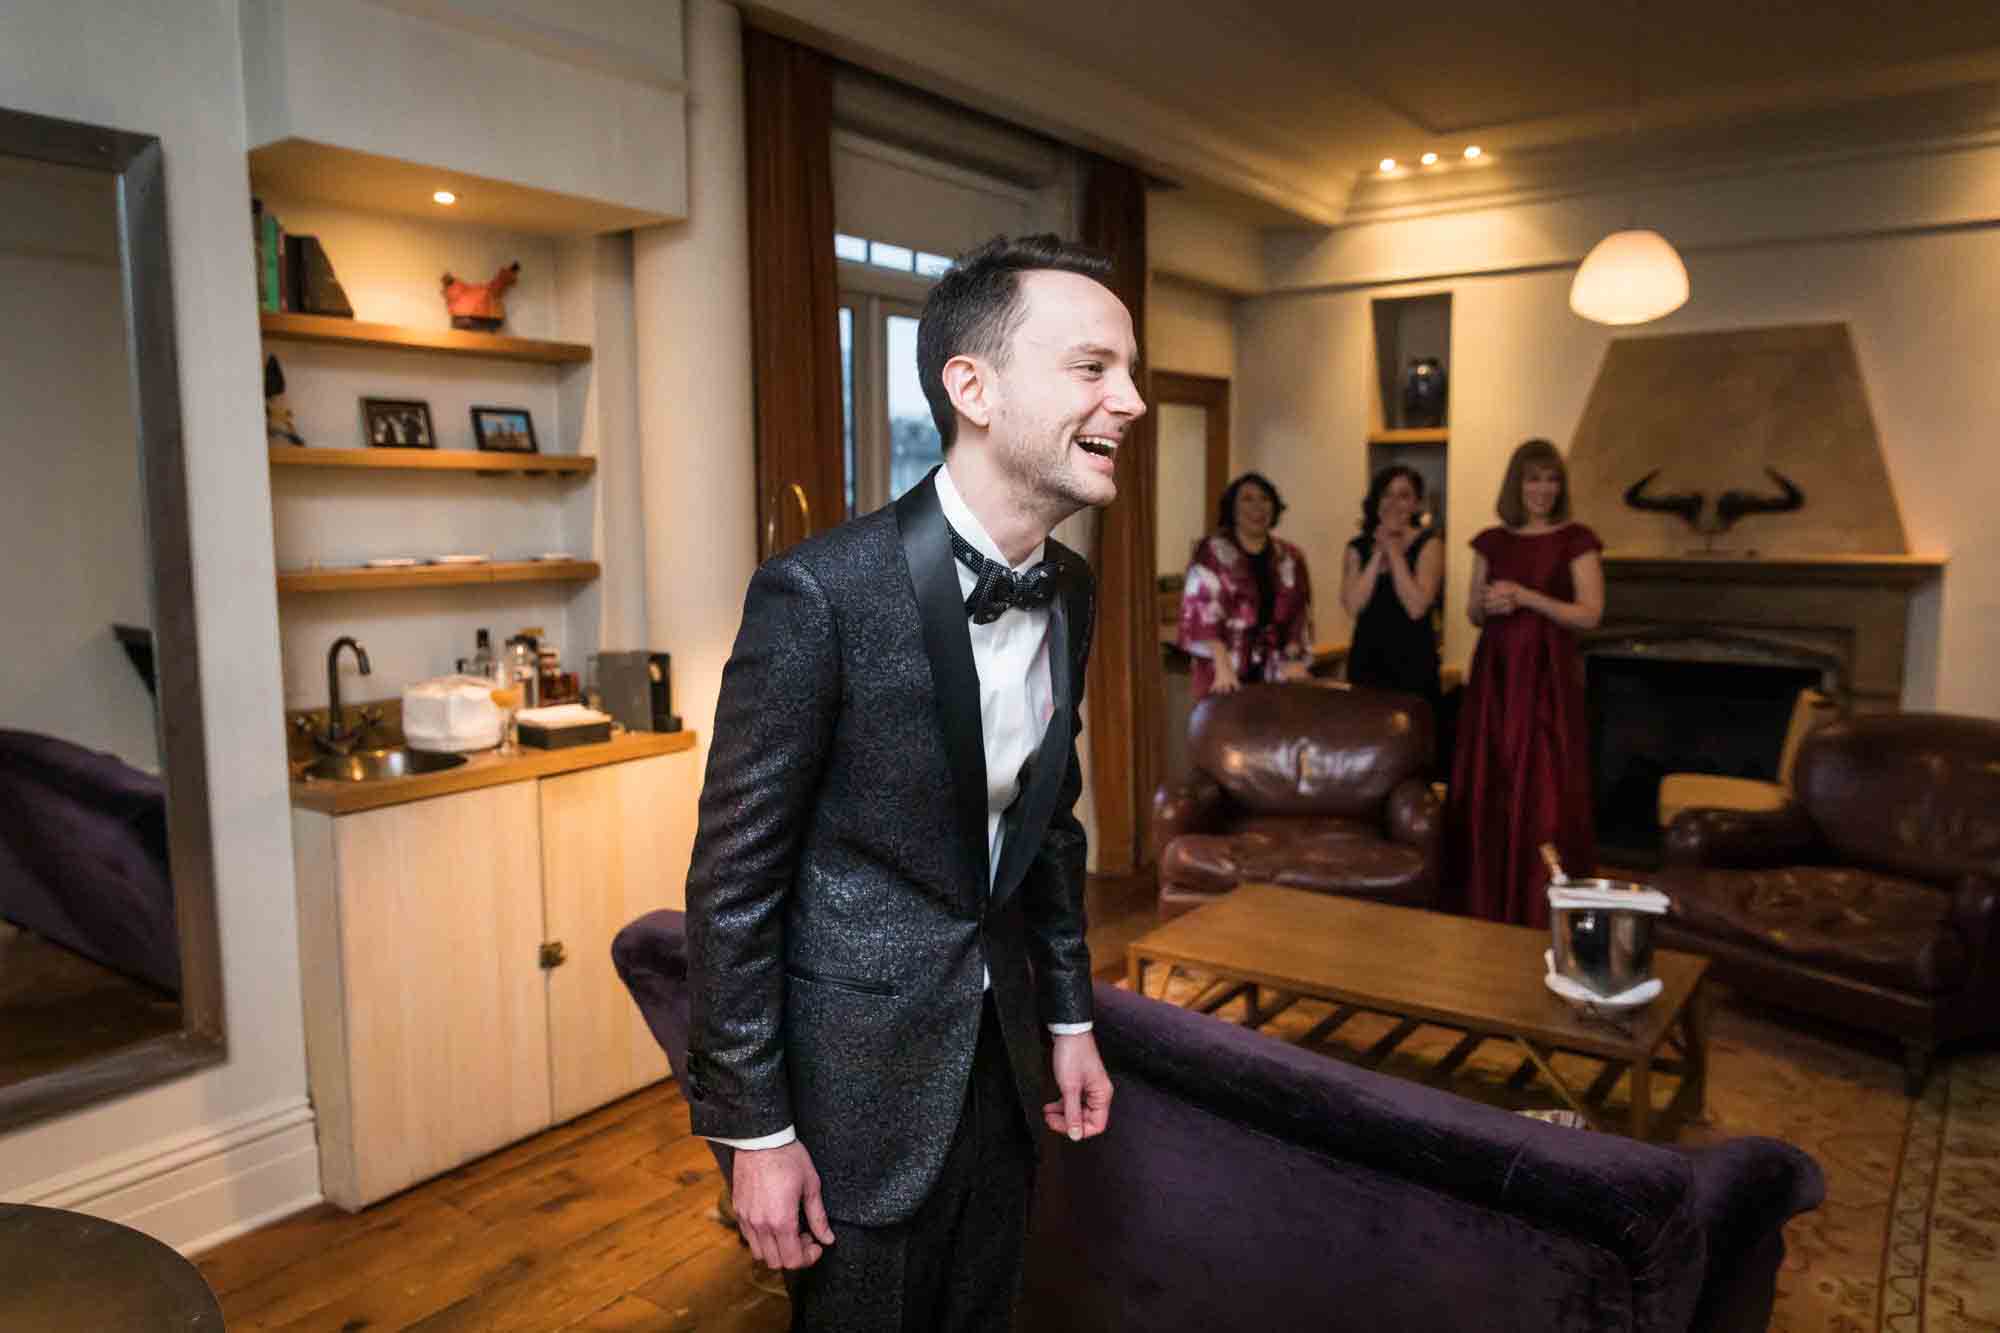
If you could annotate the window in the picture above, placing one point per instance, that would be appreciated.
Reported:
(889, 439)
(914, 447)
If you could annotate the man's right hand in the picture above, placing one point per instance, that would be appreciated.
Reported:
(770, 1188)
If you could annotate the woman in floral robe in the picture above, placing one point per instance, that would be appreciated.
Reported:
(1246, 606)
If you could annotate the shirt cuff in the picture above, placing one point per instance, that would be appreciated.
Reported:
(1069, 1029)
(789, 1134)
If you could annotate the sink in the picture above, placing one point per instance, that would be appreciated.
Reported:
(371, 765)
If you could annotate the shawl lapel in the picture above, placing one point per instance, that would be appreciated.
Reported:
(954, 677)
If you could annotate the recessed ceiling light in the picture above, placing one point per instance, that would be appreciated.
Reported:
(1429, 159)
(1388, 164)
(1472, 152)
(445, 197)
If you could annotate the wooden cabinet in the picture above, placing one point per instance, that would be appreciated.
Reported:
(615, 844)
(419, 927)
(434, 1030)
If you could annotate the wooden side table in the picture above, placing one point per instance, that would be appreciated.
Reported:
(65, 1270)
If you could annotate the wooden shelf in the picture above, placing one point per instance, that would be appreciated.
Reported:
(434, 460)
(456, 342)
(363, 579)
(1421, 435)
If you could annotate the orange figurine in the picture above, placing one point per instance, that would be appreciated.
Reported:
(478, 305)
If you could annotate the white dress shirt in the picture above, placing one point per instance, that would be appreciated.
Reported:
(1016, 701)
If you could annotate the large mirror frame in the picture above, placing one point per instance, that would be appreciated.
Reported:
(146, 280)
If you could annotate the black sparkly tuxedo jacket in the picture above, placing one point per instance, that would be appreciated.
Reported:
(837, 907)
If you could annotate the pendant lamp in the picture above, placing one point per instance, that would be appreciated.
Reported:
(1635, 275)
(1629, 277)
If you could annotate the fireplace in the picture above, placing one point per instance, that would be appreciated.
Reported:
(1670, 701)
(1753, 546)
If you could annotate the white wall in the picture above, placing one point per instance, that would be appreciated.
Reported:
(212, 1153)
(1189, 329)
(586, 105)
(692, 309)
(1199, 244)
(1919, 300)
(71, 513)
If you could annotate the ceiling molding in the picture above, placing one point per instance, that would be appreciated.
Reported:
(1933, 123)
(996, 73)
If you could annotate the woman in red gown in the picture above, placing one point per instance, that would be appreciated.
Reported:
(1521, 776)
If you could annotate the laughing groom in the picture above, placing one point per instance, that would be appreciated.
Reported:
(885, 908)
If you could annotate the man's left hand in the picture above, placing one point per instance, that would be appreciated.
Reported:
(1085, 1108)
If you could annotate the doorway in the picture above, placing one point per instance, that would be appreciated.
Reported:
(1192, 443)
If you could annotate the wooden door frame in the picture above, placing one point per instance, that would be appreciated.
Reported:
(1212, 393)
(1139, 691)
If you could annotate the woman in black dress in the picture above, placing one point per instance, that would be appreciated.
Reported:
(1390, 584)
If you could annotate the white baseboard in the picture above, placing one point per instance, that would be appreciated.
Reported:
(200, 1189)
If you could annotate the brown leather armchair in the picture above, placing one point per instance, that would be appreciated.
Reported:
(1306, 786)
(1873, 897)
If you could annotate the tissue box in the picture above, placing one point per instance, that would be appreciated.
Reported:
(562, 726)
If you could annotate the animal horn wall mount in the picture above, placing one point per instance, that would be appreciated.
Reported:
(1729, 507)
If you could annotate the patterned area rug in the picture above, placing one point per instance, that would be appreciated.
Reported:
(1908, 1240)
(1941, 1271)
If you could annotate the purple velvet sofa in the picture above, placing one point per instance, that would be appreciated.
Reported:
(83, 855)
(1246, 1184)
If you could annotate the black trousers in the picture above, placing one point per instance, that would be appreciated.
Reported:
(954, 1267)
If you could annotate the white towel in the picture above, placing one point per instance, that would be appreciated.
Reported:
(1625, 900)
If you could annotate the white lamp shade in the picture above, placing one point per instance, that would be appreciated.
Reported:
(1629, 277)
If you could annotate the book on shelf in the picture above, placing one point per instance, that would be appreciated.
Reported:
(314, 290)
(269, 235)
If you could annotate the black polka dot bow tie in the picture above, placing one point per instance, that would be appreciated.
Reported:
(999, 588)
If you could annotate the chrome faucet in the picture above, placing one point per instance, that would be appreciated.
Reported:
(337, 737)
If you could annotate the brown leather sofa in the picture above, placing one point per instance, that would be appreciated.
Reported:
(1302, 785)
(1873, 897)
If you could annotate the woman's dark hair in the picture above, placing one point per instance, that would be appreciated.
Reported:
(1371, 504)
(1225, 517)
(975, 307)
(1513, 510)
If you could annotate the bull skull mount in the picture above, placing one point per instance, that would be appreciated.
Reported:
(1732, 505)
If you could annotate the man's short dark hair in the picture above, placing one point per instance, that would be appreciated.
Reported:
(976, 306)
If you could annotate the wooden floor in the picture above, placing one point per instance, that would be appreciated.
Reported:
(607, 1223)
(58, 1008)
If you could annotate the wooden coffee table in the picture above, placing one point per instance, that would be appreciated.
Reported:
(1478, 978)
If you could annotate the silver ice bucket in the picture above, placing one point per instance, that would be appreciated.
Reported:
(1607, 949)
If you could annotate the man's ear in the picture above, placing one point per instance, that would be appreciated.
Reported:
(968, 385)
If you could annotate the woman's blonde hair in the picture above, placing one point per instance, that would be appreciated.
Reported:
(1512, 509)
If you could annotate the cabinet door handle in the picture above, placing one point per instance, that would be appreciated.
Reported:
(553, 955)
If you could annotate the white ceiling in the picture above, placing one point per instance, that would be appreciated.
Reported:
(1288, 102)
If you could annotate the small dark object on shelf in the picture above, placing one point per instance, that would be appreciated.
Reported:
(1424, 393)
(278, 423)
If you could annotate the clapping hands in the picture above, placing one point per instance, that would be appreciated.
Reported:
(1395, 540)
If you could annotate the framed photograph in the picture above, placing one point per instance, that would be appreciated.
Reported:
(504, 430)
(397, 423)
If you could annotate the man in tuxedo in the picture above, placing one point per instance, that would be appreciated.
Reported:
(885, 908)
